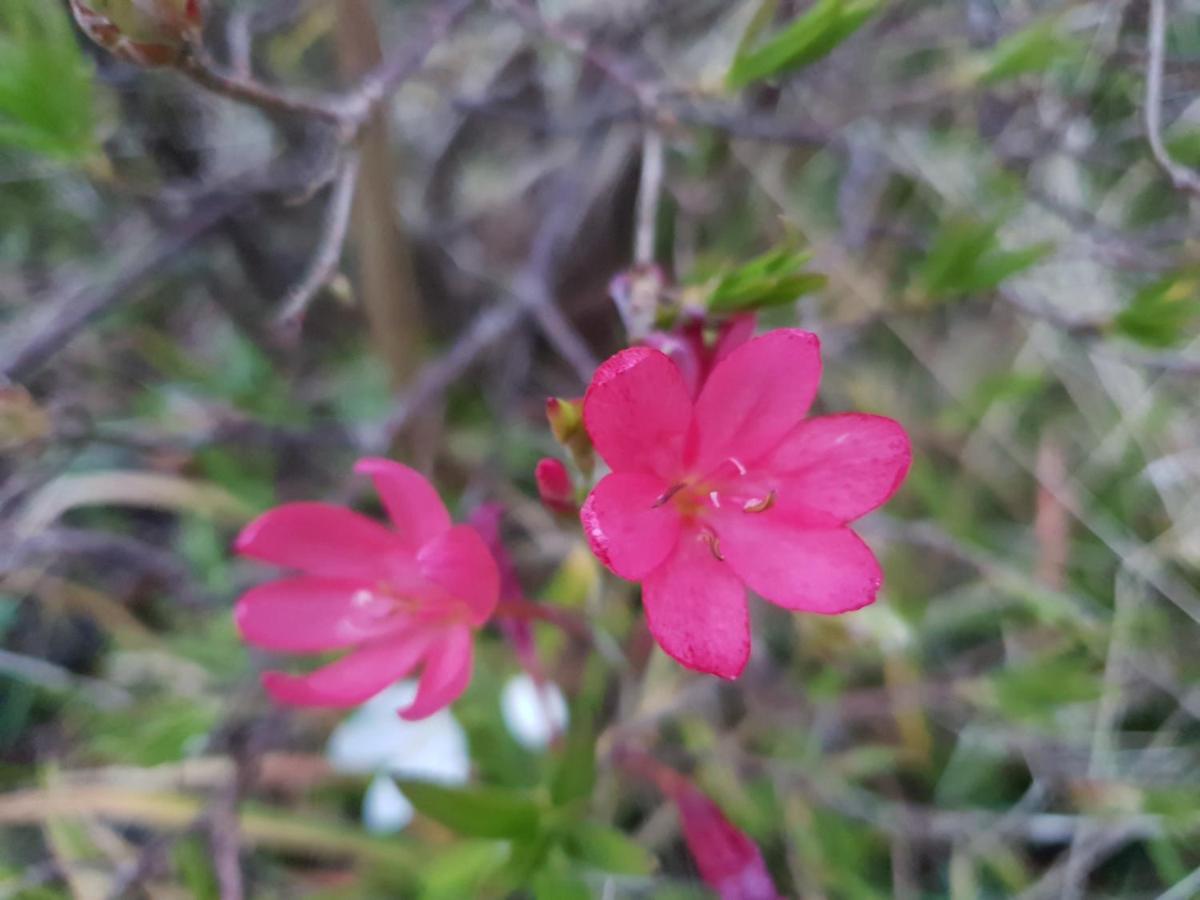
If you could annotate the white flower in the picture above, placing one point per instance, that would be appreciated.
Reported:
(375, 740)
(533, 716)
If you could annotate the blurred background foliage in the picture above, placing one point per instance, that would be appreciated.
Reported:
(959, 197)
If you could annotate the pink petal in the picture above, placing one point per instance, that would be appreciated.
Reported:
(627, 531)
(696, 609)
(637, 411)
(755, 396)
(353, 679)
(320, 539)
(307, 615)
(416, 510)
(735, 331)
(806, 569)
(447, 674)
(844, 465)
(460, 563)
(555, 488)
(729, 862)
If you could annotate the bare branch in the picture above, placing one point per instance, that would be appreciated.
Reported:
(1181, 176)
(328, 254)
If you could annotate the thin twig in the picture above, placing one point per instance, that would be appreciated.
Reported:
(203, 69)
(323, 265)
(649, 193)
(53, 326)
(1181, 176)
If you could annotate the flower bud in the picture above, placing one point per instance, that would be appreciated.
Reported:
(566, 423)
(729, 862)
(554, 486)
(142, 32)
(565, 417)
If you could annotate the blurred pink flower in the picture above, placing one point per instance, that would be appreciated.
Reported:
(397, 598)
(688, 347)
(729, 862)
(733, 490)
(554, 486)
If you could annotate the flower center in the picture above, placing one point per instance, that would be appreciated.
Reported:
(728, 486)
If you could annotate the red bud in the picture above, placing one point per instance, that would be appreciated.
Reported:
(729, 862)
(143, 32)
(555, 487)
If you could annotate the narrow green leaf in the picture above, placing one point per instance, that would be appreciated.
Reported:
(476, 811)
(574, 774)
(1033, 49)
(966, 257)
(46, 88)
(607, 849)
(773, 279)
(1162, 313)
(806, 40)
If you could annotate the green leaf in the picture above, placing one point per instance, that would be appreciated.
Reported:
(552, 885)
(1162, 313)
(574, 775)
(1033, 49)
(965, 258)
(476, 811)
(607, 849)
(1038, 689)
(806, 40)
(46, 89)
(773, 279)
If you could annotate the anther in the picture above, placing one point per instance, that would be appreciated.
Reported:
(762, 504)
(713, 544)
(668, 495)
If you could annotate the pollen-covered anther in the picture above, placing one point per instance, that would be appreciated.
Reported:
(761, 504)
(714, 544)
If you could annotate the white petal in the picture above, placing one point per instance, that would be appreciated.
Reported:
(375, 739)
(385, 809)
(533, 716)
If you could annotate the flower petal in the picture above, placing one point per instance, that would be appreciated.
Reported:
(320, 539)
(844, 465)
(638, 411)
(460, 564)
(351, 680)
(626, 530)
(447, 674)
(416, 510)
(755, 396)
(308, 615)
(385, 808)
(827, 570)
(696, 609)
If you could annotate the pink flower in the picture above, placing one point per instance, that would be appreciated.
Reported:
(688, 348)
(734, 490)
(396, 598)
(554, 486)
(729, 862)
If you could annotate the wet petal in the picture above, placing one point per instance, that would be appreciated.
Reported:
(627, 531)
(416, 510)
(844, 465)
(460, 563)
(307, 615)
(804, 569)
(755, 396)
(351, 680)
(638, 411)
(447, 674)
(696, 609)
(320, 539)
